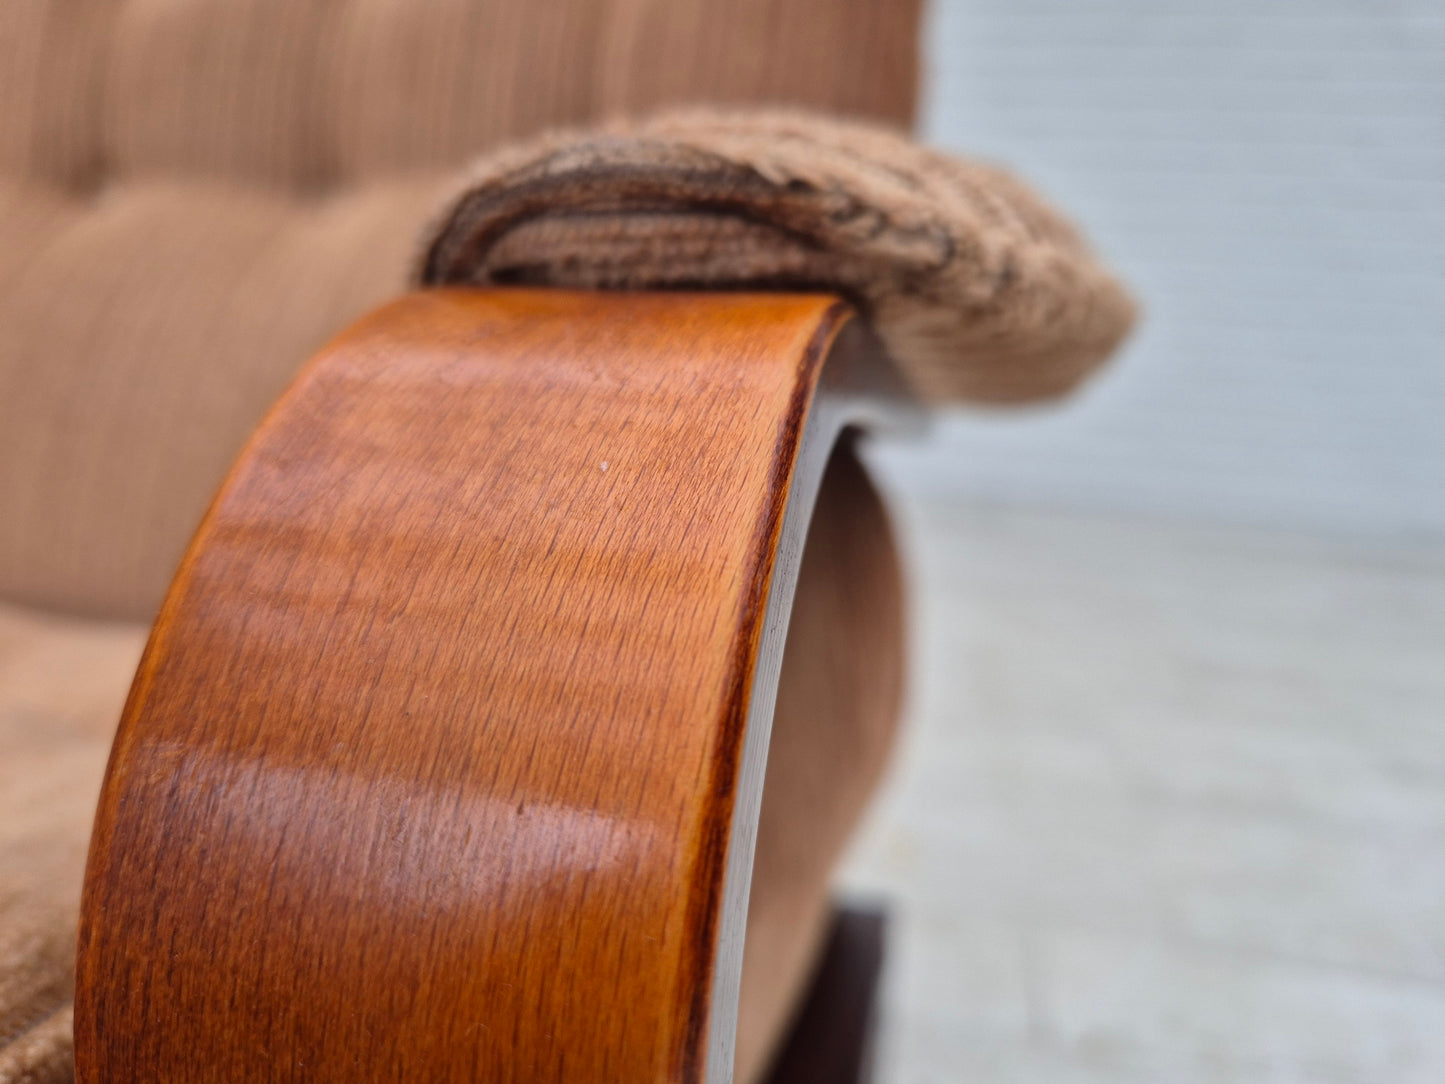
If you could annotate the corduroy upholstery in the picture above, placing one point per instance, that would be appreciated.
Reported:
(188, 188)
(62, 683)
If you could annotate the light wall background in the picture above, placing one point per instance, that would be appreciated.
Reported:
(1270, 178)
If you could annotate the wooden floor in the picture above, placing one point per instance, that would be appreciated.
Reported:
(1171, 808)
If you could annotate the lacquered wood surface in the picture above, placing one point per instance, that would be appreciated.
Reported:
(431, 769)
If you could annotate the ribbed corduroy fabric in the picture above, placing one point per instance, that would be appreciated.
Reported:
(195, 193)
(62, 683)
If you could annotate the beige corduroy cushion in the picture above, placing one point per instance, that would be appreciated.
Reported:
(978, 288)
(195, 194)
(295, 94)
(141, 340)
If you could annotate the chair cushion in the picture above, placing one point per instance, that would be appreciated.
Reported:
(142, 338)
(299, 93)
(194, 194)
(62, 684)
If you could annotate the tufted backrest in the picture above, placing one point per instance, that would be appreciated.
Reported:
(194, 194)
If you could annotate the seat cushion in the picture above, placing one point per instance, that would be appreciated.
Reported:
(62, 684)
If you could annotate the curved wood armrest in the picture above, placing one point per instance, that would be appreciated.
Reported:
(445, 759)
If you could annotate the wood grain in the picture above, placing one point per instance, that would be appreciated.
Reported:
(445, 755)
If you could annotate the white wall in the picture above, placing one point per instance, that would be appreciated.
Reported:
(1270, 178)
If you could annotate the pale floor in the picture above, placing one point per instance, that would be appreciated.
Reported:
(1171, 807)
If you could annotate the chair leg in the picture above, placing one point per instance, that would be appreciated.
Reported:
(831, 1041)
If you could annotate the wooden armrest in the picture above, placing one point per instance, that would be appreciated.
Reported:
(445, 761)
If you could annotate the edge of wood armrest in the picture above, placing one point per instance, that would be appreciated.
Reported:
(445, 756)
